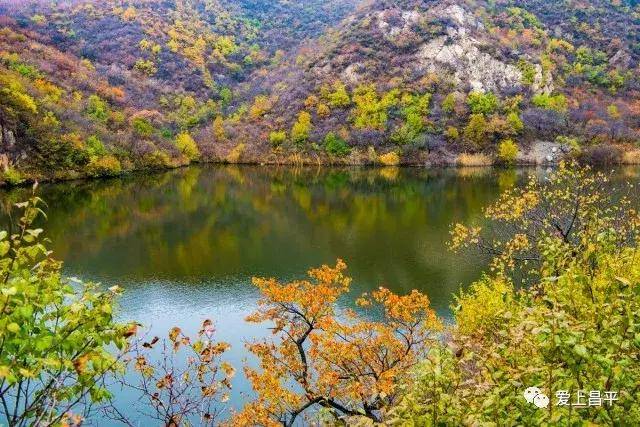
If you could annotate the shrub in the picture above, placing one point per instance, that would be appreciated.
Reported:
(277, 138)
(482, 103)
(477, 130)
(166, 133)
(414, 124)
(187, 146)
(479, 308)
(262, 104)
(197, 398)
(371, 111)
(478, 159)
(449, 103)
(104, 166)
(372, 156)
(323, 110)
(528, 71)
(129, 14)
(156, 159)
(515, 122)
(146, 67)
(451, 133)
(236, 153)
(311, 101)
(38, 19)
(97, 109)
(338, 98)
(301, 128)
(226, 96)
(95, 146)
(550, 102)
(219, 131)
(26, 70)
(390, 159)
(335, 145)
(117, 117)
(572, 142)
(565, 205)
(571, 330)
(58, 337)
(142, 127)
(12, 176)
(508, 151)
(367, 137)
(544, 123)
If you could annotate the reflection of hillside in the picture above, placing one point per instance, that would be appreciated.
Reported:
(222, 220)
(195, 224)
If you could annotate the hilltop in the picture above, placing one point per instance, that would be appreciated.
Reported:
(97, 88)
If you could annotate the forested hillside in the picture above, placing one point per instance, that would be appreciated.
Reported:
(97, 88)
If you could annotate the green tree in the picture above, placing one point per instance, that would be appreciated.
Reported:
(482, 103)
(95, 147)
(550, 102)
(371, 109)
(97, 109)
(476, 131)
(515, 122)
(528, 71)
(339, 97)
(146, 67)
(277, 138)
(226, 96)
(335, 145)
(415, 109)
(508, 151)
(301, 128)
(55, 335)
(449, 103)
(187, 146)
(142, 127)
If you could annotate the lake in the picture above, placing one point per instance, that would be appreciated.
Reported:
(184, 244)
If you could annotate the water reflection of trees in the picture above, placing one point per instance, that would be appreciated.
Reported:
(389, 224)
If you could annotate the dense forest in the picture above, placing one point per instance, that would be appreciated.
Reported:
(98, 88)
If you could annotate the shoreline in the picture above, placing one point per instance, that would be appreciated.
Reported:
(440, 165)
(538, 154)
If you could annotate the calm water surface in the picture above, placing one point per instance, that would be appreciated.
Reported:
(184, 244)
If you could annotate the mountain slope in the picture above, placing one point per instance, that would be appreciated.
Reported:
(95, 88)
(156, 70)
(546, 70)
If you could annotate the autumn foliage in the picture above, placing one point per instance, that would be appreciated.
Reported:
(572, 204)
(324, 357)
